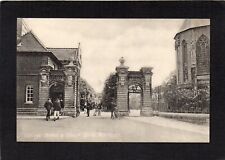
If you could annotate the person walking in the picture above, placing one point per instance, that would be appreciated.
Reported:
(114, 110)
(62, 106)
(48, 106)
(96, 110)
(57, 108)
(112, 107)
(85, 107)
(88, 109)
(99, 109)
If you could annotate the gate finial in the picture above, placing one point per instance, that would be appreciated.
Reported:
(121, 60)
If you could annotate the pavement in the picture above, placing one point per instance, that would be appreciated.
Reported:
(104, 129)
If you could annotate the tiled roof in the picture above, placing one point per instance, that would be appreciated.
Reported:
(192, 23)
(30, 43)
(64, 53)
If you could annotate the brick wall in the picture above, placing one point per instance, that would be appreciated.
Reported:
(122, 98)
(69, 96)
(22, 82)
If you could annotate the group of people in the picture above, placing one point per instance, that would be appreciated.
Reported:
(55, 107)
(97, 108)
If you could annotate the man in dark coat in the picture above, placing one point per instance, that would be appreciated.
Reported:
(88, 108)
(57, 108)
(48, 105)
(99, 109)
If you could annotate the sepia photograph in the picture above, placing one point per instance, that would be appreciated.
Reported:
(113, 80)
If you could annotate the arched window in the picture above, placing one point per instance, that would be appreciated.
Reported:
(185, 61)
(202, 55)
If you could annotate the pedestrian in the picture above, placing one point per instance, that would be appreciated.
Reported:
(96, 110)
(57, 108)
(48, 105)
(88, 109)
(116, 114)
(99, 109)
(85, 107)
(112, 107)
(114, 110)
(62, 106)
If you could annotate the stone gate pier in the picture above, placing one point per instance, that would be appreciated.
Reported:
(134, 82)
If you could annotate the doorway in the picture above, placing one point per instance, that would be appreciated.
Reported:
(134, 100)
(56, 91)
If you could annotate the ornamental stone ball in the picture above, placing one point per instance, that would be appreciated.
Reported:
(121, 60)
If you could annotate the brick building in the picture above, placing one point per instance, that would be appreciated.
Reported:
(45, 72)
(192, 44)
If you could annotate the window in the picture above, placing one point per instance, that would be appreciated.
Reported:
(185, 61)
(202, 55)
(29, 94)
(193, 74)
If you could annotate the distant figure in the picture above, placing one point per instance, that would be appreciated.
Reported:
(57, 108)
(85, 107)
(113, 107)
(48, 105)
(62, 106)
(88, 109)
(99, 109)
(96, 110)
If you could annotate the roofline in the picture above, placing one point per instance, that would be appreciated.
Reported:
(42, 44)
(190, 29)
(61, 48)
(39, 41)
(50, 54)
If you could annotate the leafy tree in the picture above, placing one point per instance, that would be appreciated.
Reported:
(180, 99)
(170, 90)
(86, 92)
(109, 91)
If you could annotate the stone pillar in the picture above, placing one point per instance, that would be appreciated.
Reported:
(43, 88)
(70, 90)
(147, 91)
(78, 93)
(122, 88)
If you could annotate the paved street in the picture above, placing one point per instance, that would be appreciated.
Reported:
(104, 129)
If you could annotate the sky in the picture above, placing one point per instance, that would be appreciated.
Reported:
(142, 43)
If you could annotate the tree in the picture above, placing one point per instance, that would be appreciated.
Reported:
(86, 92)
(180, 99)
(170, 91)
(109, 91)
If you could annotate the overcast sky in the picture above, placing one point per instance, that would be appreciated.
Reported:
(142, 42)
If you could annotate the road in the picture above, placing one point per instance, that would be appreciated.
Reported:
(104, 129)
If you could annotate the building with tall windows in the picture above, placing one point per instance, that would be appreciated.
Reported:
(44, 73)
(192, 45)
